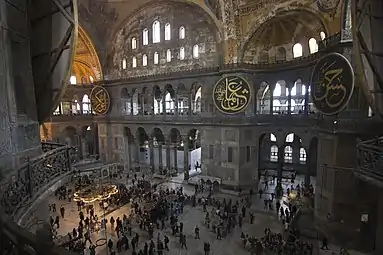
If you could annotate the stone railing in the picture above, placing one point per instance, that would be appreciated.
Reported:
(298, 119)
(18, 191)
(370, 160)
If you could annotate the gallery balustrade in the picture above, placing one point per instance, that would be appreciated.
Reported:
(370, 160)
(24, 186)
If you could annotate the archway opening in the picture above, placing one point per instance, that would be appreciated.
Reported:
(194, 152)
(159, 152)
(86, 67)
(274, 40)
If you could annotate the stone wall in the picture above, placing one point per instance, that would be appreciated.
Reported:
(19, 129)
(199, 30)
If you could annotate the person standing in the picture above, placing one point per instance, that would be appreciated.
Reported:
(196, 232)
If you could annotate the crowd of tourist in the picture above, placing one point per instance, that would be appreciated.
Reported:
(154, 208)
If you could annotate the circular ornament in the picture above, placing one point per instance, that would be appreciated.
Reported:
(100, 100)
(332, 84)
(231, 94)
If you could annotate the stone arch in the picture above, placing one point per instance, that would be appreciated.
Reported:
(262, 20)
(141, 136)
(157, 136)
(88, 137)
(263, 98)
(197, 4)
(280, 54)
(129, 135)
(265, 154)
(194, 138)
(69, 136)
(157, 100)
(124, 93)
(175, 136)
(169, 96)
(86, 65)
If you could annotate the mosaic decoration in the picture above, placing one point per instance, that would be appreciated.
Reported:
(332, 84)
(327, 5)
(100, 100)
(231, 94)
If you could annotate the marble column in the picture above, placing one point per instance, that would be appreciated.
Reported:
(163, 104)
(151, 153)
(160, 157)
(142, 104)
(175, 147)
(167, 146)
(138, 148)
(271, 103)
(186, 157)
(176, 104)
(306, 109)
(289, 101)
(281, 159)
(131, 106)
(190, 104)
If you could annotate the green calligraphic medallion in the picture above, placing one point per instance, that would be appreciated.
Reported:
(100, 100)
(231, 94)
(332, 84)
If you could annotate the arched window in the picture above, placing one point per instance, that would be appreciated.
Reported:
(294, 90)
(134, 62)
(73, 80)
(91, 79)
(297, 50)
(168, 55)
(276, 106)
(281, 54)
(302, 155)
(144, 60)
(264, 57)
(195, 51)
(145, 37)
(322, 35)
(313, 45)
(86, 105)
(155, 59)
(289, 138)
(156, 31)
(274, 153)
(288, 154)
(182, 53)
(277, 90)
(273, 138)
(124, 64)
(304, 90)
(168, 33)
(181, 33)
(134, 43)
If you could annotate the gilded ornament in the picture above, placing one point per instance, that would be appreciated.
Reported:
(100, 100)
(332, 84)
(231, 94)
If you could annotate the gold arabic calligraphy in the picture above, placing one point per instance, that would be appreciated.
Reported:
(231, 94)
(100, 101)
(329, 87)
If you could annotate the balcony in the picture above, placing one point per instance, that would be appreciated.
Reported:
(18, 193)
(370, 161)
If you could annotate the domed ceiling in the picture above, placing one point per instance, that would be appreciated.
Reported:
(86, 66)
(286, 28)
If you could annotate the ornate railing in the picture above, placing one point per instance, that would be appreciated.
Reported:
(370, 160)
(23, 187)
